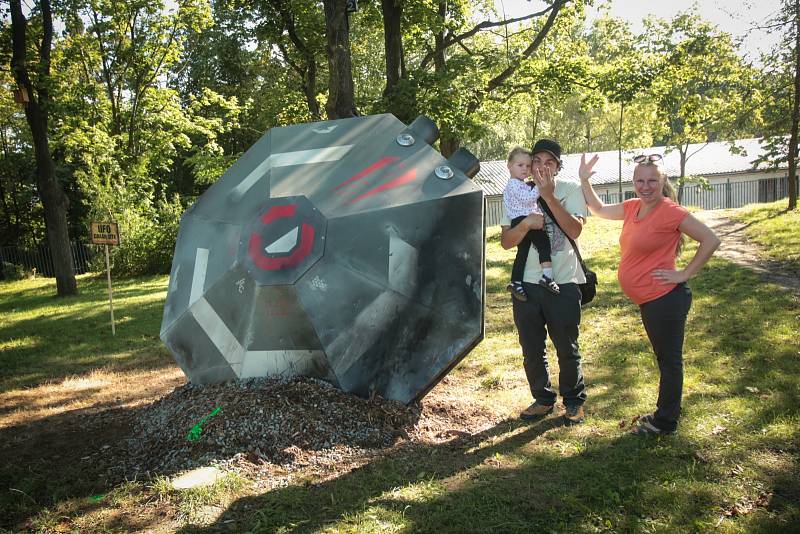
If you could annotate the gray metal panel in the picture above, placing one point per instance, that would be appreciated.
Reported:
(205, 250)
(241, 189)
(407, 308)
(195, 353)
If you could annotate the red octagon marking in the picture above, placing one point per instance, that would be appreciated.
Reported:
(256, 248)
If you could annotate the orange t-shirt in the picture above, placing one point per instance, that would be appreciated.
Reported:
(648, 244)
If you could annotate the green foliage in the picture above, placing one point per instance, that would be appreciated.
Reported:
(701, 81)
(148, 238)
(11, 271)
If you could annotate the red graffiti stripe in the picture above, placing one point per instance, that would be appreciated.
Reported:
(400, 180)
(383, 162)
(256, 251)
(278, 212)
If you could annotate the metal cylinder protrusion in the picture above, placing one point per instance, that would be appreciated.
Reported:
(465, 161)
(424, 129)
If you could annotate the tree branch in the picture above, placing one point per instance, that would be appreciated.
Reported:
(500, 79)
(450, 40)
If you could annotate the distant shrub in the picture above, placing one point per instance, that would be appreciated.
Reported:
(147, 240)
(11, 271)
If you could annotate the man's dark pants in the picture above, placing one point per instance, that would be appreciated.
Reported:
(664, 320)
(559, 316)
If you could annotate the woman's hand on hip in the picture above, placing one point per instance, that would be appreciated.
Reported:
(669, 276)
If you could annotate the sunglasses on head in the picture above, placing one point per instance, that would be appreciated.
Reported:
(647, 159)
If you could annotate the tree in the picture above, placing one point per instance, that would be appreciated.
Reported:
(341, 95)
(37, 109)
(793, 10)
(624, 70)
(700, 85)
(452, 64)
(782, 112)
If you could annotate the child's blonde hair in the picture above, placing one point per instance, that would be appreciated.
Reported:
(517, 151)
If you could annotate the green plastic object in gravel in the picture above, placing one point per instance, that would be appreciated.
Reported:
(194, 433)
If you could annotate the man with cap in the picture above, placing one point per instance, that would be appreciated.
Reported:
(544, 313)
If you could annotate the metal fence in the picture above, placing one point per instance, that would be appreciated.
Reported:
(41, 259)
(724, 195)
(736, 194)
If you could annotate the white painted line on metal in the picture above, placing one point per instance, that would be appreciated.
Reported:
(278, 362)
(199, 275)
(317, 155)
(217, 331)
(286, 159)
(325, 130)
(285, 243)
(403, 258)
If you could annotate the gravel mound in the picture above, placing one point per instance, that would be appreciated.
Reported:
(262, 421)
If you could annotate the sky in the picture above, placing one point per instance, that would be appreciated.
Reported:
(736, 17)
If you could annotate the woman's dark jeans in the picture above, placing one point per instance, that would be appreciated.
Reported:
(664, 320)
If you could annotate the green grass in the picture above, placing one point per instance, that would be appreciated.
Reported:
(732, 467)
(775, 228)
(43, 337)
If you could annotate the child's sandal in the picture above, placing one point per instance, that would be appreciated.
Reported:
(517, 291)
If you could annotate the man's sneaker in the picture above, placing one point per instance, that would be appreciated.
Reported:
(573, 415)
(517, 291)
(549, 284)
(536, 411)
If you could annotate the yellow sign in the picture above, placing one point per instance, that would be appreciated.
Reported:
(105, 233)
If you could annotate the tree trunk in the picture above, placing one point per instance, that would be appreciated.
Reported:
(448, 142)
(308, 70)
(54, 200)
(588, 134)
(393, 44)
(6, 207)
(795, 112)
(341, 97)
(683, 151)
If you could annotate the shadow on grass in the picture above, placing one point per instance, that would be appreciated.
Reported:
(601, 486)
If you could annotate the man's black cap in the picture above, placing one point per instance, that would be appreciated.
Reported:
(549, 146)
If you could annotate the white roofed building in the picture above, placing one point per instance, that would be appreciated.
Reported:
(733, 178)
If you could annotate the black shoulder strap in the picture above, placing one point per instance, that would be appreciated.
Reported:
(546, 209)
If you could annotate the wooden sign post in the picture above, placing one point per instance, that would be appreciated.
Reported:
(107, 233)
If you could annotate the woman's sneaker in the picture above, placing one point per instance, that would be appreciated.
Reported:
(517, 291)
(646, 427)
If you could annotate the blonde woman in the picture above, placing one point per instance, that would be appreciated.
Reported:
(652, 233)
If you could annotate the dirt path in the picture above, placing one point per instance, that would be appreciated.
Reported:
(738, 249)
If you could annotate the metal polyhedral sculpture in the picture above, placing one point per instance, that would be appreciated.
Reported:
(346, 250)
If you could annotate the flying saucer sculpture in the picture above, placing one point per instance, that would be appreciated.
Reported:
(346, 250)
